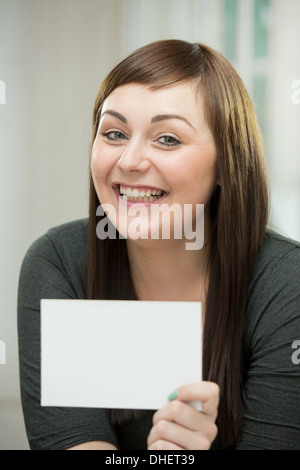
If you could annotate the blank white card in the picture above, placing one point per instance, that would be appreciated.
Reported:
(118, 354)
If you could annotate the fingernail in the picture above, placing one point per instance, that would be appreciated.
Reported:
(173, 395)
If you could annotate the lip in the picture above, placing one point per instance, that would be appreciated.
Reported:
(116, 186)
(116, 190)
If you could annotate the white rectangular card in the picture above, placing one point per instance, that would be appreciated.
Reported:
(118, 354)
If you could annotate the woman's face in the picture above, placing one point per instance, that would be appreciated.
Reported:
(153, 151)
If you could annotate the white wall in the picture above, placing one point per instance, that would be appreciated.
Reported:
(283, 131)
(53, 56)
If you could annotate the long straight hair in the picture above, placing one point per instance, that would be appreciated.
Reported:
(239, 209)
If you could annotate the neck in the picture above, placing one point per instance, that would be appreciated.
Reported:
(165, 270)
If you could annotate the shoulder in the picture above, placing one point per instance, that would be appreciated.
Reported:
(57, 257)
(66, 239)
(272, 325)
(274, 295)
(277, 262)
(276, 249)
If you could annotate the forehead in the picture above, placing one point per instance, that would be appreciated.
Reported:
(184, 97)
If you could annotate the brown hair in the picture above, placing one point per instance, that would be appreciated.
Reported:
(239, 209)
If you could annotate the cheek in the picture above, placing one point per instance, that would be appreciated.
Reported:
(198, 178)
(100, 165)
(208, 175)
(205, 173)
(99, 170)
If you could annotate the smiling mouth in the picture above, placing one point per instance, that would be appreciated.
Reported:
(131, 194)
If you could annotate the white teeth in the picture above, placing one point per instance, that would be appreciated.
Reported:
(135, 195)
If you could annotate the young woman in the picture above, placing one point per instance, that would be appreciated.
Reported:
(173, 124)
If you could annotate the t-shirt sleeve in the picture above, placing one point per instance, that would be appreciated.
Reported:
(271, 394)
(46, 274)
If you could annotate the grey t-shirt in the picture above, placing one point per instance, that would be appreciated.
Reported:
(55, 267)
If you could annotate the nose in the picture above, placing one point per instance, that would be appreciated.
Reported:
(134, 159)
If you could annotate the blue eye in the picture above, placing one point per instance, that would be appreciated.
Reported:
(169, 141)
(114, 136)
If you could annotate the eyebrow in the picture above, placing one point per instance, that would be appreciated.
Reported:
(115, 114)
(163, 117)
(160, 117)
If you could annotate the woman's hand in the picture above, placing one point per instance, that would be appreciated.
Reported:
(179, 426)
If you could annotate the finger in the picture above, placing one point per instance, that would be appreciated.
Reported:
(163, 445)
(184, 414)
(208, 393)
(184, 438)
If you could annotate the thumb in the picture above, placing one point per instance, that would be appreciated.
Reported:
(202, 395)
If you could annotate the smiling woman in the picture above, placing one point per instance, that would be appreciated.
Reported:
(150, 153)
(173, 125)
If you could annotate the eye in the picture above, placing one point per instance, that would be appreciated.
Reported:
(168, 141)
(114, 136)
